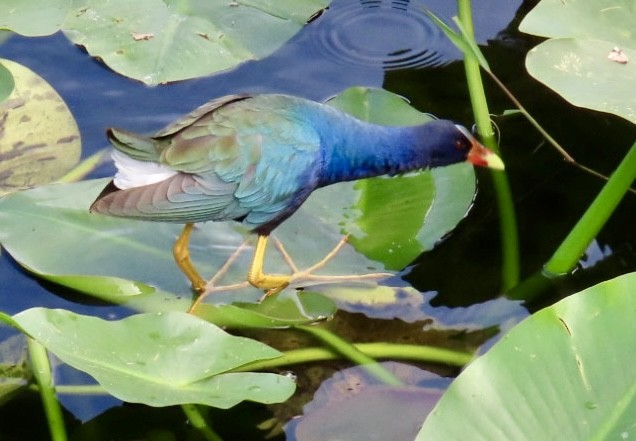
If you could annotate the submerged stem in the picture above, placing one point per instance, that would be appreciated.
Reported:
(197, 420)
(352, 353)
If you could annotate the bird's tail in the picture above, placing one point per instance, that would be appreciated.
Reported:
(136, 146)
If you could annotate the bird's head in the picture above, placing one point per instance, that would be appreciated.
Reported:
(453, 143)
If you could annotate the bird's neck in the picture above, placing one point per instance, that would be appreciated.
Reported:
(355, 150)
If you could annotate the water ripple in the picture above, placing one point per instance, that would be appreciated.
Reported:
(391, 34)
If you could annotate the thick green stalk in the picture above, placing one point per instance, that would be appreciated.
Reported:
(352, 353)
(570, 251)
(424, 354)
(42, 373)
(197, 420)
(507, 217)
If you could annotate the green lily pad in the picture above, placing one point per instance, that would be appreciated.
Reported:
(159, 359)
(104, 253)
(378, 106)
(157, 41)
(40, 139)
(7, 83)
(394, 220)
(34, 17)
(591, 58)
(602, 20)
(287, 309)
(566, 370)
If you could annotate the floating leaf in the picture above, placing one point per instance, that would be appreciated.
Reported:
(355, 403)
(97, 245)
(157, 41)
(289, 308)
(566, 370)
(394, 220)
(159, 359)
(39, 139)
(33, 17)
(378, 106)
(602, 20)
(578, 62)
(6, 83)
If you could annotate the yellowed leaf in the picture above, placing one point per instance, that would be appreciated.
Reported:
(39, 138)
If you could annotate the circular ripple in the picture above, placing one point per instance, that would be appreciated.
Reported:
(391, 34)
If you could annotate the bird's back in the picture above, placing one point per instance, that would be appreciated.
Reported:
(253, 158)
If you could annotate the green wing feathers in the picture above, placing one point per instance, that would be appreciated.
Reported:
(233, 158)
(139, 147)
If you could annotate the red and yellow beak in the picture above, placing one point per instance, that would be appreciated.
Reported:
(479, 155)
(483, 157)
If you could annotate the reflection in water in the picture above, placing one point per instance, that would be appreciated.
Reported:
(390, 34)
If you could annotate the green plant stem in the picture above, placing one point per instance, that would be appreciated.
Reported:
(197, 420)
(42, 373)
(349, 351)
(425, 354)
(530, 288)
(507, 217)
(572, 248)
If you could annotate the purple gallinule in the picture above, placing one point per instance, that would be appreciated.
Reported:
(256, 159)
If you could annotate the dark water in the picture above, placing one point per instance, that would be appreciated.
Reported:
(386, 44)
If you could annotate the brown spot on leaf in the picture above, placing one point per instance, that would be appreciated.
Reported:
(67, 139)
(618, 56)
(565, 325)
(12, 104)
(141, 37)
(4, 175)
(50, 95)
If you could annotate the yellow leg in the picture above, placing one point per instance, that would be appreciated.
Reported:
(181, 255)
(271, 283)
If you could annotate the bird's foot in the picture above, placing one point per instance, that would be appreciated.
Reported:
(270, 283)
(298, 276)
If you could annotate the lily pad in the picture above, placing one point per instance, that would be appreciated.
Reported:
(34, 17)
(591, 58)
(40, 140)
(6, 83)
(394, 220)
(355, 403)
(157, 41)
(96, 245)
(159, 359)
(565, 370)
(287, 309)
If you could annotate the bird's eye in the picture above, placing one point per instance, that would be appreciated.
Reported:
(459, 144)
